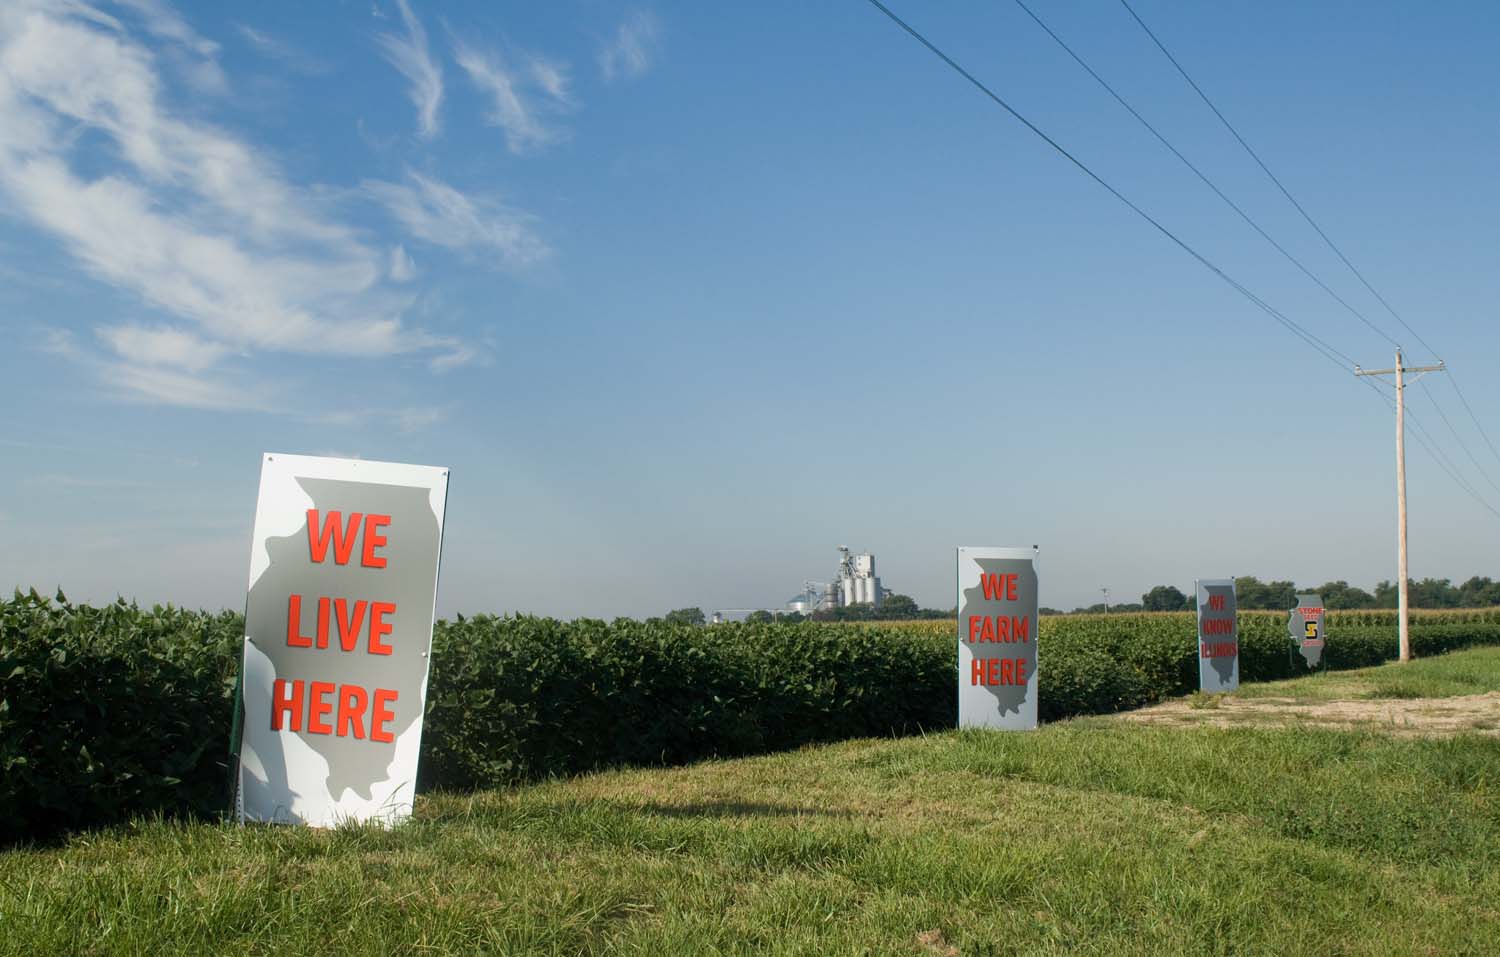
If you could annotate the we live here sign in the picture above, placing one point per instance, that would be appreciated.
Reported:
(997, 625)
(338, 633)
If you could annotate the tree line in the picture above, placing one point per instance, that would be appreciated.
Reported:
(1252, 594)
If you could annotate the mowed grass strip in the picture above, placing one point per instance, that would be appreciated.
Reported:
(1088, 837)
(1468, 672)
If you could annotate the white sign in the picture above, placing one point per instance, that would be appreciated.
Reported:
(997, 631)
(1218, 636)
(338, 632)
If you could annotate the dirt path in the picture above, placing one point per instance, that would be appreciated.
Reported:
(1416, 717)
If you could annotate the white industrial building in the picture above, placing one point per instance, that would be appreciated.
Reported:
(855, 583)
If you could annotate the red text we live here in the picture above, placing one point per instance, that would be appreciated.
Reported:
(348, 626)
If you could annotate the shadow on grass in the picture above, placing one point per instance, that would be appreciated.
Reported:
(730, 809)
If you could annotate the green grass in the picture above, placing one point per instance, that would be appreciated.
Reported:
(1088, 837)
(1473, 671)
(1091, 836)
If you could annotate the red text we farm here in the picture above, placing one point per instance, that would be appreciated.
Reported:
(1000, 629)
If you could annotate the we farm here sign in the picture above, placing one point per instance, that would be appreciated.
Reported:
(997, 630)
(338, 634)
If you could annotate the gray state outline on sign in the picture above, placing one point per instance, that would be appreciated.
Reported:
(408, 581)
(1010, 699)
(1224, 666)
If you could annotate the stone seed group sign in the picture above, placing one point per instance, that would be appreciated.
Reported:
(1305, 628)
(1218, 636)
(997, 630)
(338, 630)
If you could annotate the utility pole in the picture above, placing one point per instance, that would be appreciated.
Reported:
(1403, 611)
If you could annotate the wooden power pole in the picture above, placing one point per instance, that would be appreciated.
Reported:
(1403, 623)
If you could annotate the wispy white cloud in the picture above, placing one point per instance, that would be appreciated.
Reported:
(418, 418)
(460, 355)
(164, 22)
(275, 48)
(162, 346)
(85, 481)
(551, 78)
(524, 97)
(60, 342)
(152, 383)
(194, 56)
(402, 268)
(409, 54)
(194, 221)
(437, 213)
(406, 419)
(263, 42)
(628, 54)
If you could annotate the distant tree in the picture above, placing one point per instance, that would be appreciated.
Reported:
(1341, 594)
(760, 616)
(1385, 595)
(1044, 610)
(1435, 593)
(1252, 593)
(793, 617)
(1427, 593)
(1479, 592)
(899, 606)
(1164, 598)
(686, 616)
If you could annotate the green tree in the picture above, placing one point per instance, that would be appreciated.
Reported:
(1435, 593)
(1252, 593)
(1164, 598)
(686, 616)
(1341, 594)
(1427, 593)
(899, 606)
(1386, 595)
(1479, 592)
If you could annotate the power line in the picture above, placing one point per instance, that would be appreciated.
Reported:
(1267, 170)
(1439, 409)
(1482, 433)
(1425, 439)
(1203, 176)
(1320, 231)
(1328, 351)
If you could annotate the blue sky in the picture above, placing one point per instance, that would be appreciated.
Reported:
(686, 295)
